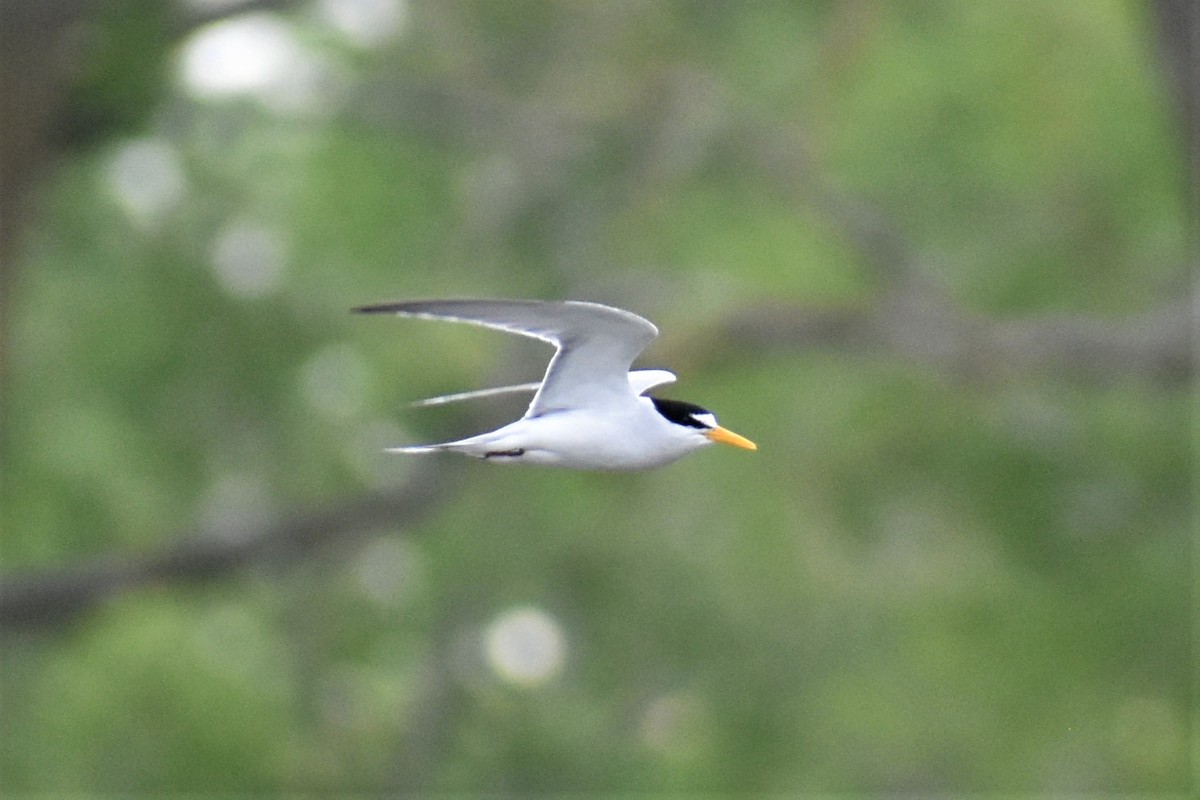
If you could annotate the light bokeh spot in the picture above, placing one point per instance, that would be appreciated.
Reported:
(234, 505)
(334, 379)
(388, 570)
(252, 55)
(676, 724)
(365, 22)
(248, 259)
(525, 646)
(147, 180)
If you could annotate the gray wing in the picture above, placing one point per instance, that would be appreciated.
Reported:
(596, 344)
(640, 381)
(475, 394)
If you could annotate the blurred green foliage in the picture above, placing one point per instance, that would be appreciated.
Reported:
(920, 582)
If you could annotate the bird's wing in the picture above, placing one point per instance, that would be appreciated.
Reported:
(475, 394)
(640, 381)
(596, 343)
(643, 380)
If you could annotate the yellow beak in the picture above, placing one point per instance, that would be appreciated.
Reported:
(719, 434)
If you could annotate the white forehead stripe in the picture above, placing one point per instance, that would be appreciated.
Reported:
(706, 419)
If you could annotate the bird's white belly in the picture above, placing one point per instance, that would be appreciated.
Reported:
(584, 440)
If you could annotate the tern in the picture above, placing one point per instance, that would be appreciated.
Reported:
(589, 411)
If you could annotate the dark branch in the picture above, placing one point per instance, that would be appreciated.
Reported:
(55, 596)
(1179, 49)
(916, 327)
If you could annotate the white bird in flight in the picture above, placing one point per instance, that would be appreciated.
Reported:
(589, 411)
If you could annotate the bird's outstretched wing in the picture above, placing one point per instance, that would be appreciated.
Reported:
(640, 381)
(475, 394)
(596, 344)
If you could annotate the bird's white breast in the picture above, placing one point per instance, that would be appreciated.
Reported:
(628, 438)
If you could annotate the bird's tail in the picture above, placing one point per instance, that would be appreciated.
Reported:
(481, 446)
(416, 449)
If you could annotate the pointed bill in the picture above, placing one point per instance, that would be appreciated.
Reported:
(725, 436)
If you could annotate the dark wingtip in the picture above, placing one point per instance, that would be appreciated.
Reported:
(379, 308)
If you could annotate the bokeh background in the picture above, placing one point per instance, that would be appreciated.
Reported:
(936, 258)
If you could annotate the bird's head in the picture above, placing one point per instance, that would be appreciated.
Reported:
(699, 422)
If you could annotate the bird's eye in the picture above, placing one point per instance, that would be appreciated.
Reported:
(706, 419)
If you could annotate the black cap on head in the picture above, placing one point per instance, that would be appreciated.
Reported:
(687, 414)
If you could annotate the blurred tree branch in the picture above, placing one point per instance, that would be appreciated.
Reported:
(1179, 48)
(915, 319)
(36, 63)
(920, 328)
(55, 596)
